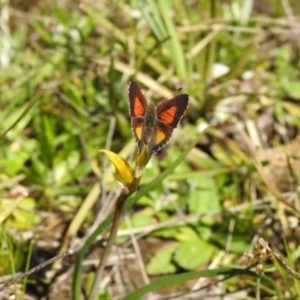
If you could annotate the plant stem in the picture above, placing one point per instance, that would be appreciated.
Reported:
(112, 236)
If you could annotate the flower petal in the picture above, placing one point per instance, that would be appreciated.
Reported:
(123, 170)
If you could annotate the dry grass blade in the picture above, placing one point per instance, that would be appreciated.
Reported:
(204, 42)
(264, 244)
(139, 76)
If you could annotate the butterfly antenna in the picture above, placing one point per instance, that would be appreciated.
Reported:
(173, 94)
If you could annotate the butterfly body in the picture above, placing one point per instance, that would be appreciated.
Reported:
(153, 126)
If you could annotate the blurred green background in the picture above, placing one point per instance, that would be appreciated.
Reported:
(64, 76)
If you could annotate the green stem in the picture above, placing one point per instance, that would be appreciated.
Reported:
(76, 287)
(108, 247)
(112, 236)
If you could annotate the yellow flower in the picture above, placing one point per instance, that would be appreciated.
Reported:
(123, 171)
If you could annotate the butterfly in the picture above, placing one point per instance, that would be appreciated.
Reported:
(152, 126)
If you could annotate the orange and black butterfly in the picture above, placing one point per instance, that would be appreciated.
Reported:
(152, 126)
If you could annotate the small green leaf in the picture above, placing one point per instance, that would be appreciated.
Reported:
(123, 170)
(193, 253)
(40, 29)
(161, 263)
(61, 15)
(186, 234)
(62, 169)
(204, 198)
(238, 243)
(168, 232)
(292, 88)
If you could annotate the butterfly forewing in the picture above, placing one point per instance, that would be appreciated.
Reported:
(138, 103)
(170, 112)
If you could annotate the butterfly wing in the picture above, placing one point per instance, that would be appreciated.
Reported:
(169, 114)
(137, 101)
(161, 135)
(138, 108)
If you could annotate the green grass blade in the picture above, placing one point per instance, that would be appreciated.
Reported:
(175, 43)
(27, 109)
(155, 20)
(180, 278)
(163, 27)
(105, 23)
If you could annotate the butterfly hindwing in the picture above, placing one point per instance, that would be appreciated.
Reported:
(137, 126)
(161, 137)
